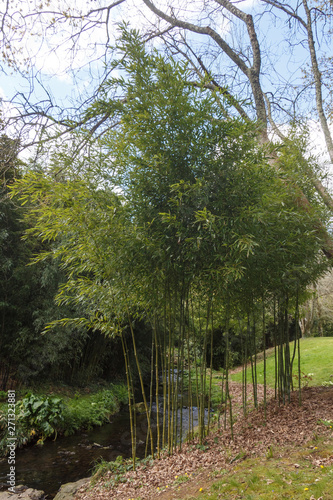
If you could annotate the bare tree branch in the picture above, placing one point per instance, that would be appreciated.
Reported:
(317, 82)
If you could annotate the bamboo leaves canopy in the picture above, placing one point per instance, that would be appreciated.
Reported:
(177, 215)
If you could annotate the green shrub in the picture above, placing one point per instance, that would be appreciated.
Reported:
(3, 396)
(21, 434)
(40, 416)
(95, 410)
(120, 391)
(36, 417)
(118, 467)
(43, 414)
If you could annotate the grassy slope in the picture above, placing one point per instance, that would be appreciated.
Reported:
(316, 359)
(290, 473)
(293, 473)
(276, 475)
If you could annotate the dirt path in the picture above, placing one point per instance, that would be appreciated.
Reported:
(178, 476)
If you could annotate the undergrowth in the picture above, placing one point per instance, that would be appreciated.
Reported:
(39, 417)
(115, 472)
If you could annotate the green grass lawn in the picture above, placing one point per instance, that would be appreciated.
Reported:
(300, 474)
(316, 359)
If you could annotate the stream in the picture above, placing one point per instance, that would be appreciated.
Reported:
(71, 458)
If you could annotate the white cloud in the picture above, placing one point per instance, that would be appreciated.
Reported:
(317, 140)
(51, 45)
(247, 5)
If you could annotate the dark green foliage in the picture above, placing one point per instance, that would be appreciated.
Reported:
(326, 329)
(271, 330)
(236, 344)
(89, 412)
(44, 415)
(3, 396)
(39, 416)
(72, 354)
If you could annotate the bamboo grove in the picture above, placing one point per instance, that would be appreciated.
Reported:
(176, 215)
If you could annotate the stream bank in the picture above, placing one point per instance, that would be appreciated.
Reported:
(190, 473)
(69, 459)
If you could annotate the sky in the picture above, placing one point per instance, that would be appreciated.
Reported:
(55, 63)
(60, 67)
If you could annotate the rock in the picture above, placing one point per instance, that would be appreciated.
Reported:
(33, 494)
(22, 493)
(68, 490)
(140, 407)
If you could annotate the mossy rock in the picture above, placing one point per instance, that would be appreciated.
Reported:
(68, 490)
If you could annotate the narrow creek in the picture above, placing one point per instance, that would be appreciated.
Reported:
(71, 458)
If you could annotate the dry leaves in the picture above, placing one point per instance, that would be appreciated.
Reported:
(285, 424)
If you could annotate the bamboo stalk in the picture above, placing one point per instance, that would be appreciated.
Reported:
(264, 346)
(141, 384)
(130, 406)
